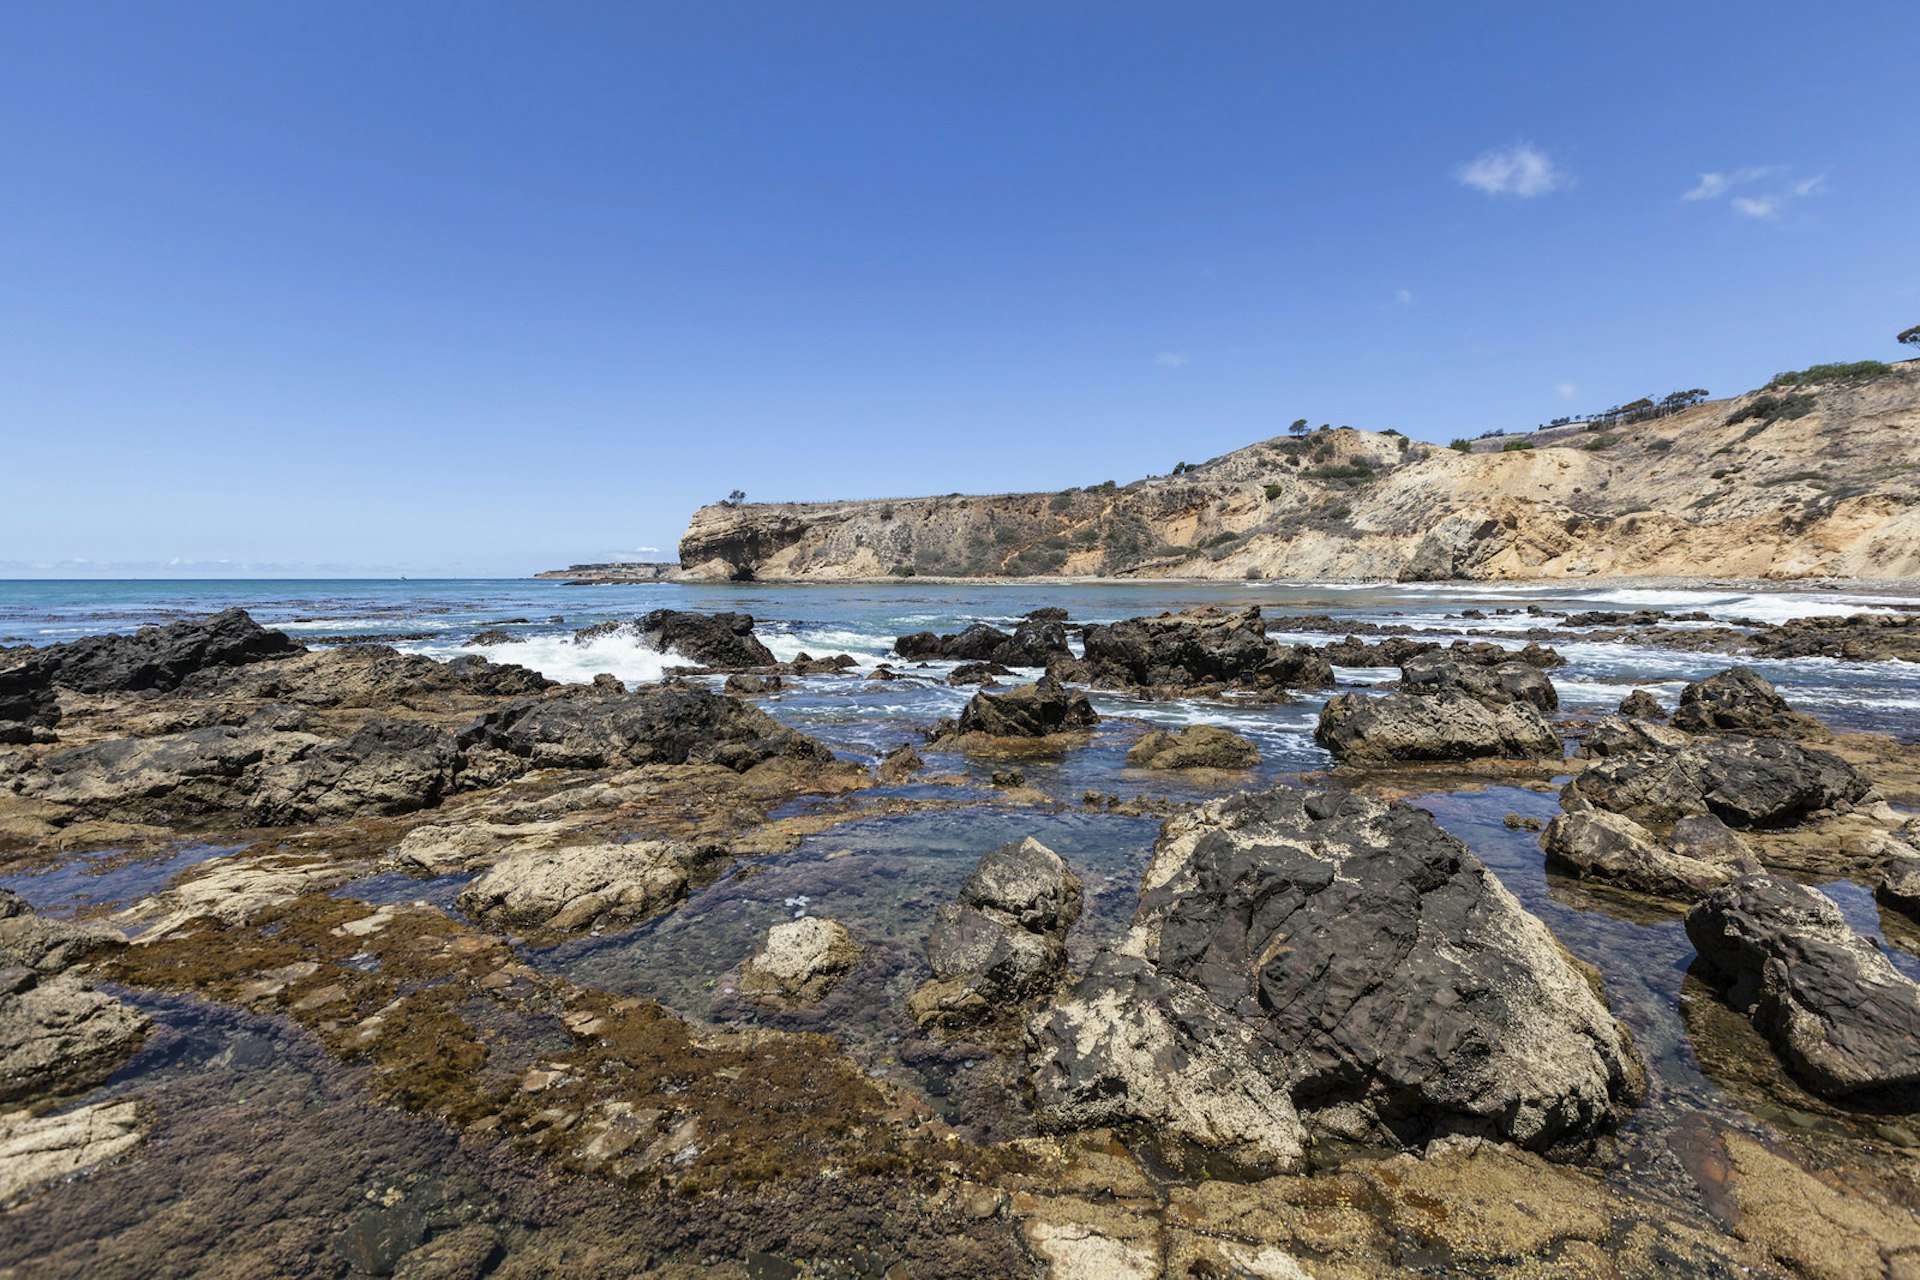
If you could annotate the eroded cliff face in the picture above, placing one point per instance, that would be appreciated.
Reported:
(1727, 488)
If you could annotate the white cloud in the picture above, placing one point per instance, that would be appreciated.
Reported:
(1567, 390)
(1171, 359)
(1403, 298)
(1519, 170)
(1766, 203)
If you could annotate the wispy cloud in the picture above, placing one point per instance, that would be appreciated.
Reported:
(1567, 390)
(1172, 359)
(1765, 191)
(1519, 170)
(1403, 298)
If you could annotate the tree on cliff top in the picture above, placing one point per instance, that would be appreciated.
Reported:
(1909, 336)
(735, 498)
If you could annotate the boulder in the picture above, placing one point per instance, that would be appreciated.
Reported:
(60, 1036)
(383, 767)
(653, 726)
(1615, 736)
(1201, 647)
(1348, 959)
(798, 962)
(581, 887)
(721, 641)
(1740, 700)
(900, 764)
(1447, 724)
(980, 673)
(1035, 710)
(1641, 705)
(1745, 782)
(1900, 877)
(1614, 849)
(1496, 684)
(1200, 746)
(1845, 1022)
(1003, 941)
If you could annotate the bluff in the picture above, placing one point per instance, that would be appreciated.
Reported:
(1808, 479)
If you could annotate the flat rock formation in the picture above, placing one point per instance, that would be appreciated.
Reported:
(1812, 480)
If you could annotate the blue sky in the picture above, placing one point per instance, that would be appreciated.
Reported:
(474, 288)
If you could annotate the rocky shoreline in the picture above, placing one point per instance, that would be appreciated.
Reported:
(1327, 1040)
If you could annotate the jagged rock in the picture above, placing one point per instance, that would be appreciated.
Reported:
(1613, 736)
(721, 641)
(1845, 1022)
(1641, 705)
(1900, 881)
(900, 763)
(1447, 724)
(741, 682)
(1003, 941)
(1610, 847)
(200, 771)
(44, 944)
(1035, 710)
(1859, 637)
(374, 676)
(1201, 647)
(1496, 684)
(799, 961)
(1034, 643)
(383, 767)
(1745, 782)
(60, 1036)
(1739, 700)
(653, 726)
(37, 1152)
(581, 887)
(1349, 959)
(1199, 746)
(494, 635)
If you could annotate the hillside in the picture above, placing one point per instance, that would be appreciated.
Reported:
(1735, 487)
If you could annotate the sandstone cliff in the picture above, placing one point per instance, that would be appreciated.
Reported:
(1737, 488)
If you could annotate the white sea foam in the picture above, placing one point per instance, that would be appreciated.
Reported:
(561, 657)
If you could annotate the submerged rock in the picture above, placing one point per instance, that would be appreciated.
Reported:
(1845, 1022)
(581, 887)
(1199, 746)
(799, 961)
(1345, 959)
(721, 641)
(1201, 647)
(1745, 782)
(1446, 724)
(1740, 700)
(1003, 941)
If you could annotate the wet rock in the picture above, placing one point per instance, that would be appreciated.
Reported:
(1496, 684)
(59, 1036)
(1641, 705)
(234, 890)
(1739, 700)
(1197, 746)
(1008, 778)
(1003, 941)
(1447, 724)
(721, 641)
(37, 1152)
(1845, 1022)
(1034, 643)
(799, 961)
(581, 887)
(43, 944)
(1820, 1226)
(1610, 847)
(741, 682)
(981, 673)
(1206, 647)
(380, 1235)
(1036, 710)
(373, 676)
(900, 763)
(652, 726)
(1745, 782)
(465, 1253)
(1351, 959)
(1900, 884)
(492, 636)
(1860, 637)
